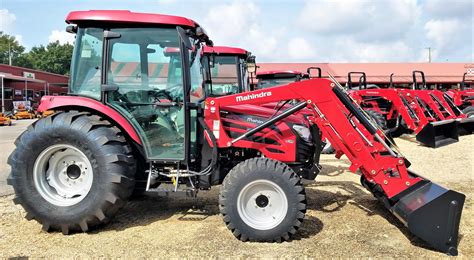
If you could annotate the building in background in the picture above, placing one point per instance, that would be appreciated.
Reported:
(441, 75)
(27, 86)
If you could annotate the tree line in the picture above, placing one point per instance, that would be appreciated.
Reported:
(54, 57)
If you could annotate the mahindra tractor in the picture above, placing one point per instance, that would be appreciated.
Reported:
(462, 97)
(129, 113)
(437, 105)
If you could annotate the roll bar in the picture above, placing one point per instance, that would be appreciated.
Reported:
(362, 79)
(416, 86)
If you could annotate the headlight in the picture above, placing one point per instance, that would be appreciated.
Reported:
(303, 132)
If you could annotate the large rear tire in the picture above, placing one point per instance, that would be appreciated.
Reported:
(71, 171)
(262, 200)
(469, 111)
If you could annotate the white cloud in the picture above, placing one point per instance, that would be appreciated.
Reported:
(7, 21)
(300, 49)
(449, 36)
(238, 24)
(366, 20)
(19, 38)
(61, 36)
(443, 9)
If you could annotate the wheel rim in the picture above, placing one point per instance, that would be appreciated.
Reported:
(62, 175)
(470, 115)
(262, 204)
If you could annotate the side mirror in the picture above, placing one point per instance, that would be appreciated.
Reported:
(251, 64)
(212, 60)
(71, 29)
(184, 38)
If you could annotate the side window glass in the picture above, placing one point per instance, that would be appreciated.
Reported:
(87, 62)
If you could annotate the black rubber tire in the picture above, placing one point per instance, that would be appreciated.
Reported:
(469, 111)
(378, 118)
(266, 169)
(113, 168)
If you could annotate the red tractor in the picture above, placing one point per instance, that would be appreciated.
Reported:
(437, 105)
(463, 98)
(129, 112)
(267, 79)
(401, 114)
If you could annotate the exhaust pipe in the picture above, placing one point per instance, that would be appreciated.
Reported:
(429, 211)
(437, 134)
(466, 126)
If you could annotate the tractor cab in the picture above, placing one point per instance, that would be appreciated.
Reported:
(128, 66)
(268, 79)
(228, 70)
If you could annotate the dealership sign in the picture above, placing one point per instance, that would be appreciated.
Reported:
(29, 75)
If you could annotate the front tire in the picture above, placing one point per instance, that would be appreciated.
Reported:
(262, 200)
(71, 171)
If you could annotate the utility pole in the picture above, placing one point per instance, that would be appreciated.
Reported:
(9, 54)
(429, 54)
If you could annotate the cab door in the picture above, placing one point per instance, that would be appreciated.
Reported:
(145, 90)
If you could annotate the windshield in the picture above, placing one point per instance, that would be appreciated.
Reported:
(225, 78)
(272, 82)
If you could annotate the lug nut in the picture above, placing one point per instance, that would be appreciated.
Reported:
(373, 172)
(385, 182)
(407, 183)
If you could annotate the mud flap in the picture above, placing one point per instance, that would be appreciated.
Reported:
(432, 213)
(437, 134)
(466, 126)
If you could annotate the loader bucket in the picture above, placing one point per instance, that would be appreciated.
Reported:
(437, 134)
(466, 126)
(432, 213)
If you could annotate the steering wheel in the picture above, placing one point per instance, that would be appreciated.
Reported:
(162, 93)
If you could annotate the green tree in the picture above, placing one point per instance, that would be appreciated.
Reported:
(54, 57)
(10, 46)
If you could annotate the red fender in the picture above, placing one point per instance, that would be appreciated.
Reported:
(61, 102)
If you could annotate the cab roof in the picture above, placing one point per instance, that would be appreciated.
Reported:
(277, 72)
(223, 50)
(125, 16)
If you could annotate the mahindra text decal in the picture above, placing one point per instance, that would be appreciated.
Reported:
(253, 96)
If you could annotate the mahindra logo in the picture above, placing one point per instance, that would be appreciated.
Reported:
(254, 120)
(253, 96)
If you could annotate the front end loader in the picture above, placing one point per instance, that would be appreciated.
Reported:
(135, 115)
(437, 105)
(403, 115)
(463, 97)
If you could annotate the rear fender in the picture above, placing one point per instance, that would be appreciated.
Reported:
(60, 103)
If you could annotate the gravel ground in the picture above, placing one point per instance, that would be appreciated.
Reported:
(343, 220)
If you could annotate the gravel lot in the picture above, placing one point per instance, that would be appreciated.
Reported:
(343, 220)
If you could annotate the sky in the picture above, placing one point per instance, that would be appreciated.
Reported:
(284, 30)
